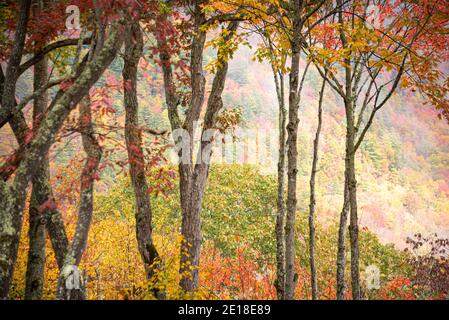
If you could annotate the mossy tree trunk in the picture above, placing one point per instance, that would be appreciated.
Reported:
(36, 232)
(133, 136)
(88, 175)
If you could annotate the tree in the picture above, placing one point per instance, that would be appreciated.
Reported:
(371, 62)
(193, 176)
(15, 193)
(133, 135)
(284, 25)
(312, 204)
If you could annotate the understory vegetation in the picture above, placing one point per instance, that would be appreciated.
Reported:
(238, 259)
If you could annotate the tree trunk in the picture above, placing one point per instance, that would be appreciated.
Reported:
(316, 144)
(354, 230)
(12, 68)
(191, 244)
(349, 206)
(341, 254)
(192, 180)
(71, 285)
(42, 193)
(292, 153)
(351, 189)
(36, 254)
(52, 217)
(88, 176)
(348, 203)
(191, 222)
(349, 97)
(148, 252)
(10, 224)
(36, 232)
(280, 217)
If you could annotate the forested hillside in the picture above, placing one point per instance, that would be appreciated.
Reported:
(403, 162)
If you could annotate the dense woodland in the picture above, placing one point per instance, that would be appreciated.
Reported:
(236, 149)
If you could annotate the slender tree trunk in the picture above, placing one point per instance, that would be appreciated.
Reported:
(292, 155)
(354, 230)
(12, 68)
(36, 232)
(351, 83)
(71, 285)
(349, 207)
(316, 144)
(280, 217)
(148, 252)
(185, 160)
(191, 223)
(88, 176)
(18, 125)
(56, 229)
(292, 151)
(36, 253)
(351, 189)
(341, 254)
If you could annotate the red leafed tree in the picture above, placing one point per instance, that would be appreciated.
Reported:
(373, 49)
(193, 176)
(34, 150)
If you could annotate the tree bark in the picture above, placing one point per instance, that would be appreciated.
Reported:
(88, 177)
(280, 217)
(36, 233)
(8, 87)
(316, 144)
(89, 174)
(143, 214)
(350, 177)
(354, 230)
(292, 153)
(349, 206)
(341, 253)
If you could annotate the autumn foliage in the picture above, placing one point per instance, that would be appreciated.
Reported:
(352, 101)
